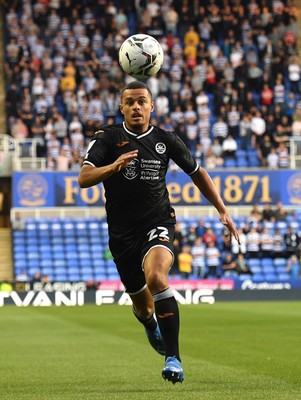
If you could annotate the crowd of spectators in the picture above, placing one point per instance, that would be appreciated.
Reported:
(230, 81)
(205, 250)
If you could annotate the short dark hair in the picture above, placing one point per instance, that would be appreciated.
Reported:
(136, 85)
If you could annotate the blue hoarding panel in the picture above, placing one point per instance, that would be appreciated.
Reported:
(60, 189)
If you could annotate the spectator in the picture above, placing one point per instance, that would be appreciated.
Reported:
(22, 276)
(278, 244)
(242, 247)
(266, 243)
(294, 267)
(241, 265)
(62, 161)
(265, 150)
(229, 265)
(272, 159)
(185, 262)
(253, 243)
(229, 147)
(198, 252)
(283, 155)
(209, 236)
(213, 259)
(291, 241)
(268, 213)
(18, 223)
(220, 129)
(280, 212)
(255, 214)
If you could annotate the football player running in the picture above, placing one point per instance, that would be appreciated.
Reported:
(131, 159)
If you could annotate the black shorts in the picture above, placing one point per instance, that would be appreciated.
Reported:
(130, 248)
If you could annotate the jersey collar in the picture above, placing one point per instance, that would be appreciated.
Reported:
(135, 134)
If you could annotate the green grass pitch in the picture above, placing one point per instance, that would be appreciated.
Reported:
(230, 351)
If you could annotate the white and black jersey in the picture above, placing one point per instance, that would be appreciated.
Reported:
(137, 196)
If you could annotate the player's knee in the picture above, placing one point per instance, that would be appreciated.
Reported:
(156, 281)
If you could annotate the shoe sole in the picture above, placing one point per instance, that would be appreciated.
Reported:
(173, 376)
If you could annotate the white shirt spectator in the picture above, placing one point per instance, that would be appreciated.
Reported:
(272, 159)
(258, 125)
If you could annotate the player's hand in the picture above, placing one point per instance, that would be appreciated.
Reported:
(124, 160)
(226, 220)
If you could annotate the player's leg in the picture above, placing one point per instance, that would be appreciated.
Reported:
(157, 263)
(143, 309)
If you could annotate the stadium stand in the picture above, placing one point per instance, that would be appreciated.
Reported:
(72, 254)
(61, 84)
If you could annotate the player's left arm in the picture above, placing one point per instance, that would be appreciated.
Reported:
(206, 186)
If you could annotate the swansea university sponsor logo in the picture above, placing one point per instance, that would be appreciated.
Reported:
(160, 148)
(131, 171)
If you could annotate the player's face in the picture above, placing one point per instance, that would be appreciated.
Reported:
(136, 106)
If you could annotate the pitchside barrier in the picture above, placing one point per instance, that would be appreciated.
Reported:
(185, 291)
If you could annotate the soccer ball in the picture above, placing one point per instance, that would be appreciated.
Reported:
(141, 56)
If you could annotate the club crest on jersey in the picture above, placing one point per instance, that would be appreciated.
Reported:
(131, 171)
(160, 148)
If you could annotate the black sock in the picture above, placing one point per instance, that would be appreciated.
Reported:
(149, 322)
(167, 313)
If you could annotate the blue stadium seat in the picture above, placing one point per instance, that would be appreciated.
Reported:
(113, 277)
(256, 269)
(33, 255)
(280, 269)
(242, 162)
(19, 248)
(254, 262)
(83, 247)
(34, 263)
(268, 269)
(46, 263)
(84, 255)
(280, 261)
(244, 277)
(20, 256)
(59, 255)
(100, 276)
(284, 277)
(59, 263)
(61, 277)
(229, 163)
(74, 276)
(257, 278)
(270, 277)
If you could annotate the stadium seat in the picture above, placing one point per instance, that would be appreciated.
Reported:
(100, 276)
(256, 269)
(113, 277)
(46, 263)
(59, 255)
(242, 162)
(280, 269)
(254, 262)
(244, 277)
(229, 163)
(284, 277)
(59, 263)
(74, 276)
(20, 255)
(268, 269)
(33, 255)
(280, 261)
(257, 278)
(270, 277)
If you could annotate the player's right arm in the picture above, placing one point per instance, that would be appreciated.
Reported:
(90, 175)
